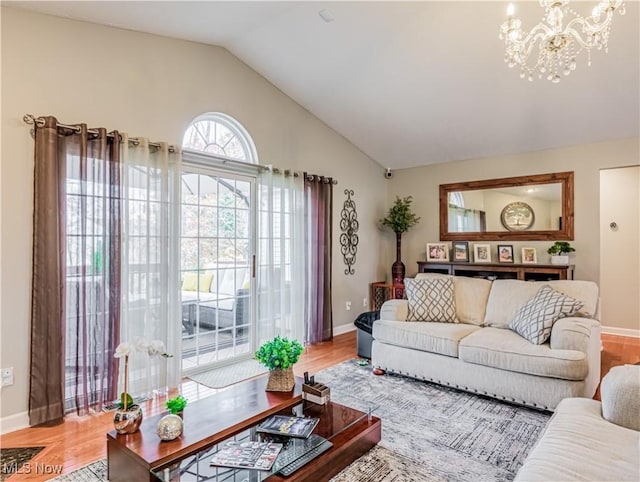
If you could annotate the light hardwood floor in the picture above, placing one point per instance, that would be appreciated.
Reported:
(81, 440)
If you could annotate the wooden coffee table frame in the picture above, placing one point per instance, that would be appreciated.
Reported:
(220, 416)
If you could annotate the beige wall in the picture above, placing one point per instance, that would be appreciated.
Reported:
(153, 86)
(585, 160)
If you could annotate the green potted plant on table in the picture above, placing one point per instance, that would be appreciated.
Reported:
(399, 219)
(279, 356)
(559, 252)
(176, 405)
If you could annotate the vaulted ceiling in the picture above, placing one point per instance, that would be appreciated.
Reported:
(409, 83)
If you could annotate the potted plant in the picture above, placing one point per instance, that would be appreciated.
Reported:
(279, 356)
(559, 252)
(128, 416)
(399, 219)
(176, 405)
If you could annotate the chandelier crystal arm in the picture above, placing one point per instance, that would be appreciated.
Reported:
(590, 29)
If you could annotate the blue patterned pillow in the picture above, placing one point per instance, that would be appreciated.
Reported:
(431, 299)
(535, 319)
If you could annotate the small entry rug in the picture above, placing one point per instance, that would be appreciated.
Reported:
(12, 460)
(430, 433)
(230, 374)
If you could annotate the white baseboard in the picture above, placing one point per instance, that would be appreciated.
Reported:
(610, 330)
(342, 329)
(14, 422)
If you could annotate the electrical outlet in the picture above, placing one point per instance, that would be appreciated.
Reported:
(7, 376)
(364, 302)
(348, 305)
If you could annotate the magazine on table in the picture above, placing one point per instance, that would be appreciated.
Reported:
(247, 455)
(300, 427)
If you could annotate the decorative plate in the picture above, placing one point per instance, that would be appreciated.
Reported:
(517, 216)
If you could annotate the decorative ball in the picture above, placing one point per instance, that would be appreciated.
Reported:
(169, 427)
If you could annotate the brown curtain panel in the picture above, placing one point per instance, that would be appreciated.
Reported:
(319, 220)
(76, 264)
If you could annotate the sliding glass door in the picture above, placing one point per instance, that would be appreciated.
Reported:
(216, 267)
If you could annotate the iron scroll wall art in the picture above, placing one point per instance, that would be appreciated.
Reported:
(349, 227)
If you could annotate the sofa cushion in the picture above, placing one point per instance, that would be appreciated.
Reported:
(535, 318)
(434, 337)
(504, 349)
(507, 296)
(195, 282)
(620, 394)
(578, 444)
(208, 299)
(221, 302)
(431, 300)
(470, 295)
(230, 280)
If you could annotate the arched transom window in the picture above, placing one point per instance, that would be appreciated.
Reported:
(456, 199)
(220, 135)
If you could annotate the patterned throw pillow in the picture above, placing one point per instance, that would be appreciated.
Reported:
(534, 320)
(431, 299)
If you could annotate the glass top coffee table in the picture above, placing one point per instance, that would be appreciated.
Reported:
(235, 413)
(334, 420)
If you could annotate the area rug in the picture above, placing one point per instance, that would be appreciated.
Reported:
(230, 374)
(12, 460)
(452, 435)
(95, 472)
(429, 432)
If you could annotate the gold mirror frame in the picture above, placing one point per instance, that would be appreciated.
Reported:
(565, 178)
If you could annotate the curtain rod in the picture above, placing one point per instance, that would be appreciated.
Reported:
(310, 177)
(325, 180)
(39, 122)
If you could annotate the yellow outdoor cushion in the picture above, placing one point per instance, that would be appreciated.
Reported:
(190, 282)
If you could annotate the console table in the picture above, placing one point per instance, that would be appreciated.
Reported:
(525, 272)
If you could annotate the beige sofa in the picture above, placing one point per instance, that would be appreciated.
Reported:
(481, 354)
(590, 440)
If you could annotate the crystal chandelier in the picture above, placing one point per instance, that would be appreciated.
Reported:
(558, 46)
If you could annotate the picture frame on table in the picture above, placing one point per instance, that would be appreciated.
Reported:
(505, 253)
(529, 256)
(460, 251)
(481, 253)
(437, 252)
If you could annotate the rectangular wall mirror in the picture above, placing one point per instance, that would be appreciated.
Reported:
(525, 208)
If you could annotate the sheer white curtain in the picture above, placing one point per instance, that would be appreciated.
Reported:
(151, 261)
(463, 220)
(281, 256)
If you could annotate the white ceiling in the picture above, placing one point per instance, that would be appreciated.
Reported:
(409, 83)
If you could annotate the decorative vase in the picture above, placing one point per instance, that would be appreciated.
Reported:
(281, 380)
(169, 427)
(560, 259)
(398, 269)
(129, 420)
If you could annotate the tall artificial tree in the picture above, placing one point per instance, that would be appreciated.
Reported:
(399, 219)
